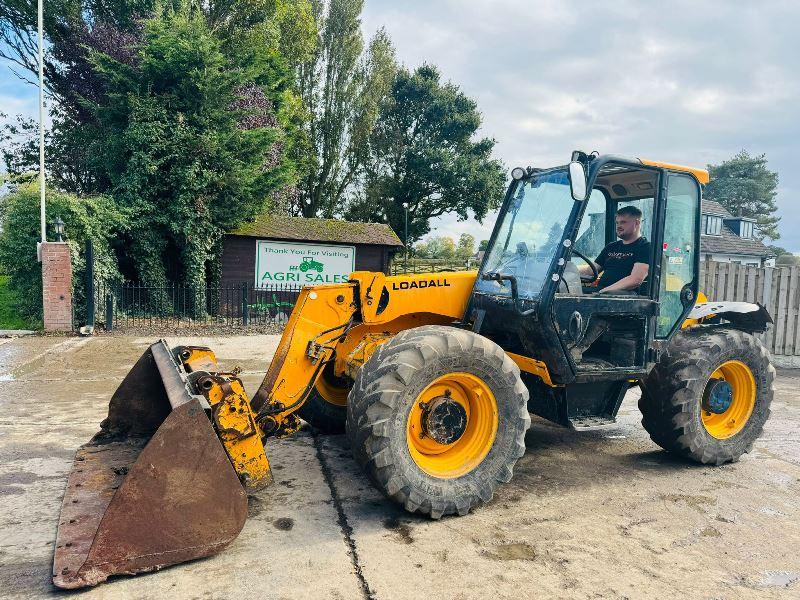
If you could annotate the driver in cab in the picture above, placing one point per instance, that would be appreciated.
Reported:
(624, 263)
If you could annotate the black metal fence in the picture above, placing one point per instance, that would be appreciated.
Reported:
(176, 305)
(429, 265)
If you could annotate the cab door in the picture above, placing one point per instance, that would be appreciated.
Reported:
(607, 336)
(680, 257)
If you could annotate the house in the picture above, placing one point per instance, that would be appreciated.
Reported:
(725, 238)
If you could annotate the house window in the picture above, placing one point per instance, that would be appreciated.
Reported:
(713, 225)
(747, 229)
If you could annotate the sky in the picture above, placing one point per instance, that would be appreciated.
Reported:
(684, 82)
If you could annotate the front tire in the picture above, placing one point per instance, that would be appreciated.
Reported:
(709, 396)
(437, 419)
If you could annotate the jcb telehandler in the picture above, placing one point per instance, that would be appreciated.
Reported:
(433, 376)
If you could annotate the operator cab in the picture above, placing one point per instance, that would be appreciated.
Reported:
(536, 290)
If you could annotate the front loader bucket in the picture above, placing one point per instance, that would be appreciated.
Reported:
(153, 488)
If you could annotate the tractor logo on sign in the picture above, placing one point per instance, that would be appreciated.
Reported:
(308, 264)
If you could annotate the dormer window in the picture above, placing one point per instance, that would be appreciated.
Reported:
(712, 225)
(747, 229)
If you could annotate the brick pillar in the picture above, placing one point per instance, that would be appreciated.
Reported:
(57, 286)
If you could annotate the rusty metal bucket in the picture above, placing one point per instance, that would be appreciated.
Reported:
(153, 488)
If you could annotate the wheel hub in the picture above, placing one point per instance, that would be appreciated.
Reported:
(718, 396)
(444, 420)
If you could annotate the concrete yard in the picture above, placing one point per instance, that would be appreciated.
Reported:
(602, 514)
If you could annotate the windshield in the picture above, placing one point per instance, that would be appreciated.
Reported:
(529, 234)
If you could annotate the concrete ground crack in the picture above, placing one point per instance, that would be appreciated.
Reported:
(347, 530)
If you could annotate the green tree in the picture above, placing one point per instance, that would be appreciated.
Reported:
(75, 30)
(483, 245)
(424, 155)
(441, 247)
(466, 246)
(421, 250)
(788, 260)
(777, 250)
(746, 187)
(341, 86)
(189, 137)
(94, 217)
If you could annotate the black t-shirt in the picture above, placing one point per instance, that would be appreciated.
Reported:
(618, 258)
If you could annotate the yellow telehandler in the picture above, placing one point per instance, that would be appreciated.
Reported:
(433, 376)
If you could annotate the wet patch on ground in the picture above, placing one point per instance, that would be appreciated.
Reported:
(23, 478)
(283, 523)
(510, 551)
(402, 530)
(698, 503)
(255, 506)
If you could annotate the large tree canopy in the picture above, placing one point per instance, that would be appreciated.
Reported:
(188, 137)
(746, 187)
(425, 156)
(184, 112)
(76, 30)
(341, 86)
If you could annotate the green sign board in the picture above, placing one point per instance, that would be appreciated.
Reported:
(289, 264)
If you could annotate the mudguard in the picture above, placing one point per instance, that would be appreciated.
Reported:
(742, 315)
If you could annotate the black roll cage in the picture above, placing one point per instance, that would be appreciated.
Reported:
(594, 164)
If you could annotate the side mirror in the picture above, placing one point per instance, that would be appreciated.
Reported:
(577, 180)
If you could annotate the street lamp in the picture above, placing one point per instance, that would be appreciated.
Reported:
(405, 236)
(40, 35)
(58, 225)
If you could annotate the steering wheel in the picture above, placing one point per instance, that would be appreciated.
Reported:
(587, 278)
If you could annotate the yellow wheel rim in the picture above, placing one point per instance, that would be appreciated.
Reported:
(743, 386)
(331, 393)
(448, 461)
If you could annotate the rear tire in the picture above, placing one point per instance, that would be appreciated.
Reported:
(390, 389)
(673, 394)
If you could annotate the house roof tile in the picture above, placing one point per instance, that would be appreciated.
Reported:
(730, 243)
(319, 230)
(710, 207)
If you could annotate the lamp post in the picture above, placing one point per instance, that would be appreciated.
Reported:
(40, 23)
(58, 225)
(405, 236)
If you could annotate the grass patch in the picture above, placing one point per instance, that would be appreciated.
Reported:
(9, 318)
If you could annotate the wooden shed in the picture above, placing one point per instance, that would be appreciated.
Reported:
(278, 250)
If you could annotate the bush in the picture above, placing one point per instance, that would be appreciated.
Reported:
(9, 315)
(95, 217)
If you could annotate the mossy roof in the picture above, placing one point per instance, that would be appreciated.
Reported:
(319, 230)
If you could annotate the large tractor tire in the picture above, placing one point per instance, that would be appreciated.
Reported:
(325, 409)
(709, 396)
(437, 419)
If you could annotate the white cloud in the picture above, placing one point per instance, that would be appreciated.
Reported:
(692, 84)
(15, 105)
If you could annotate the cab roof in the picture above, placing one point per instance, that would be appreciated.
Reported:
(700, 174)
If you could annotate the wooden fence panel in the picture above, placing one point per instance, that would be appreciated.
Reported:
(791, 313)
(752, 274)
(730, 284)
(782, 311)
(741, 278)
(776, 288)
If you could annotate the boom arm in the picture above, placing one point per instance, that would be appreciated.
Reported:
(320, 320)
(333, 322)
